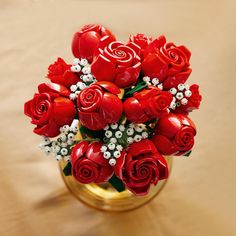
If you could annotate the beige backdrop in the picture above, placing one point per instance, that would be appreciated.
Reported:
(201, 194)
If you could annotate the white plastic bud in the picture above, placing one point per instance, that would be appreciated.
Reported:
(173, 91)
(181, 87)
(179, 96)
(112, 161)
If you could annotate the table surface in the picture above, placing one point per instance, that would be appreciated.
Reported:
(199, 198)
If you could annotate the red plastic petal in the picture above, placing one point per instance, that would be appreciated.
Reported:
(78, 151)
(110, 87)
(54, 88)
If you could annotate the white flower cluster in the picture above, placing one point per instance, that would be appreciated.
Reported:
(81, 65)
(61, 147)
(154, 82)
(118, 136)
(180, 95)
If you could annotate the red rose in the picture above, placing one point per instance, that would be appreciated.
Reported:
(141, 167)
(60, 73)
(50, 109)
(174, 135)
(193, 101)
(86, 40)
(116, 62)
(88, 163)
(146, 105)
(98, 105)
(166, 61)
(140, 39)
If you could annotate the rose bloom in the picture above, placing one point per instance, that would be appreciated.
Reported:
(146, 105)
(99, 105)
(59, 72)
(174, 135)
(166, 61)
(50, 109)
(88, 163)
(86, 40)
(141, 167)
(193, 101)
(116, 62)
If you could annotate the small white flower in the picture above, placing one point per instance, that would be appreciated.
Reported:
(118, 134)
(108, 133)
(130, 131)
(184, 101)
(188, 93)
(114, 126)
(46, 141)
(160, 86)
(111, 146)
(130, 140)
(47, 150)
(179, 95)
(117, 154)
(76, 68)
(83, 62)
(64, 151)
(73, 88)
(77, 93)
(155, 81)
(119, 148)
(76, 61)
(181, 87)
(186, 86)
(41, 146)
(70, 142)
(81, 86)
(146, 79)
(58, 157)
(67, 158)
(56, 149)
(137, 138)
(86, 70)
(103, 148)
(144, 134)
(122, 128)
(173, 91)
(90, 77)
(73, 96)
(71, 136)
(139, 128)
(113, 140)
(65, 128)
(85, 78)
(112, 161)
(106, 155)
(131, 125)
(172, 105)
(63, 144)
(63, 137)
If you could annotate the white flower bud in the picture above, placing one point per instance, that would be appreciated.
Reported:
(119, 148)
(188, 93)
(137, 138)
(70, 136)
(112, 161)
(86, 70)
(184, 101)
(160, 86)
(47, 150)
(63, 144)
(64, 151)
(117, 154)
(172, 105)
(130, 140)
(76, 61)
(108, 133)
(155, 81)
(114, 126)
(58, 157)
(67, 158)
(77, 93)
(73, 96)
(173, 91)
(113, 140)
(118, 134)
(83, 62)
(186, 86)
(138, 128)
(144, 134)
(103, 148)
(130, 131)
(179, 96)
(122, 128)
(65, 128)
(73, 88)
(111, 146)
(70, 142)
(63, 137)
(181, 87)
(75, 68)
(146, 79)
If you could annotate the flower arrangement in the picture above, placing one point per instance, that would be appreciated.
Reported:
(118, 109)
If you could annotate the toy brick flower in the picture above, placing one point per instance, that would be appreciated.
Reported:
(86, 40)
(88, 164)
(193, 101)
(141, 167)
(50, 109)
(174, 135)
(59, 72)
(141, 40)
(116, 62)
(166, 61)
(146, 105)
(98, 105)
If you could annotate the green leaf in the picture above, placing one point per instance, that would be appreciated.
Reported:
(137, 88)
(117, 183)
(188, 153)
(67, 169)
(91, 133)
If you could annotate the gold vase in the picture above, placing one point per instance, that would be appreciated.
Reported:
(104, 197)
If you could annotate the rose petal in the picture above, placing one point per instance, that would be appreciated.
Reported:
(54, 88)
(78, 151)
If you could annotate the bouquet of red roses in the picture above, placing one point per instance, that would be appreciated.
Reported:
(118, 109)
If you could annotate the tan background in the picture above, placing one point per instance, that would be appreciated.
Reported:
(200, 197)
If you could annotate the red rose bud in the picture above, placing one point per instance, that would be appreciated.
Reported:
(50, 109)
(174, 135)
(98, 105)
(140, 39)
(86, 40)
(146, 105)
(116, 62)
(60, 73)
(166, 61)
(193, 101)
(141, 167)
(88, 163)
